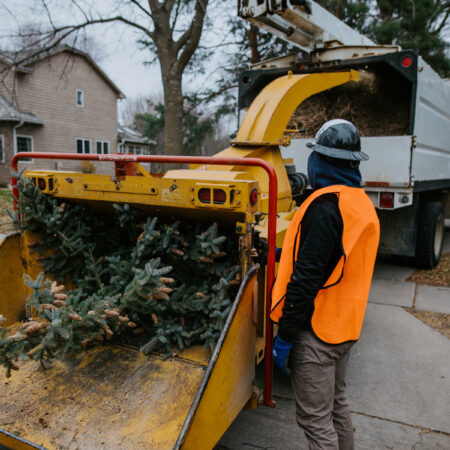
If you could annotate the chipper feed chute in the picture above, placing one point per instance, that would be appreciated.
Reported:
(113, 396)
(116, 397)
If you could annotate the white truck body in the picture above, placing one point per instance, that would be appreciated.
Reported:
(392, 177)
(431, 155)
(405, 164)
(408, 174)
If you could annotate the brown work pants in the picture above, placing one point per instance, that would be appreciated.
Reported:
(318, 382)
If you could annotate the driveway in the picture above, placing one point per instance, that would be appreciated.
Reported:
(398, 377)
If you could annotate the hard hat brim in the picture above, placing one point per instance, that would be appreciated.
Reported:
(338, 152)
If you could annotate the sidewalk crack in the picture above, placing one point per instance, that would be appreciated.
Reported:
(414, 296)
(422, 429)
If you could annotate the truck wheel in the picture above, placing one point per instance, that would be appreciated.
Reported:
(430, 235)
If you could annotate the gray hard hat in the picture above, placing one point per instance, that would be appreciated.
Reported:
(339, 139)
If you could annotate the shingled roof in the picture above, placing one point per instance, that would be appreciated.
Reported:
(10, 113)
(126, 134)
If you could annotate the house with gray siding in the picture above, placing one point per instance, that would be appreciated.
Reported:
(61, 101)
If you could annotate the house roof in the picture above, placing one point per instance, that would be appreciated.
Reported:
(10, 113)
(126, 134)
(30, 57)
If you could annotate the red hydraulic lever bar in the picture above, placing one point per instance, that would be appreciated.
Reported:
(272, 218)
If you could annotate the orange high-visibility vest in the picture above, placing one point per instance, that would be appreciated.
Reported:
(340, 305)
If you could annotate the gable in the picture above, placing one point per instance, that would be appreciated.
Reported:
(69, 53)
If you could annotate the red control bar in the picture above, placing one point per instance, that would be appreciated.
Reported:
(207, 160)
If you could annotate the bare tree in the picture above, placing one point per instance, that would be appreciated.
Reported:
(169, 29)
(29, 36)
(133, 106)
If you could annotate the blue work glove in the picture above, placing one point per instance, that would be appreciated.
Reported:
(280, 352)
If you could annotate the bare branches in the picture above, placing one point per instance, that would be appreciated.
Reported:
(192, 36)
(139, 6)
(168, 5)
(445, 10)
(58, 34)
(200, 11)
(82, 11)
(157, 23)
(154, 5)
(211, 96)
(175, 17)
(49, 16)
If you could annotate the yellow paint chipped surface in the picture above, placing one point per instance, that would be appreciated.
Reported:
(230, 385)
(266, 120)
(12, 289)
(110, 397)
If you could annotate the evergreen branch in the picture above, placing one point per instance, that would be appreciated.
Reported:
(187, 308)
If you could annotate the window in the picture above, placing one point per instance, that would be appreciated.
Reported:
(136, 149)
(24, 144)
(102, 147)
(83, 146)
(80, 98)
(2, 149)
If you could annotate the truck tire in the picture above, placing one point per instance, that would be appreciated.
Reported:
(430, 235)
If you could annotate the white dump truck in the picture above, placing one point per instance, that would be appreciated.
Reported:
(400, 105)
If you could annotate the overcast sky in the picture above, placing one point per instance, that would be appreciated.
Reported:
(120, 57)
(117, 51)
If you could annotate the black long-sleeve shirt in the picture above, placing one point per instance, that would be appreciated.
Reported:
(319, 252)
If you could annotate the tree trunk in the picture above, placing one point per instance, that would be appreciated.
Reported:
(252, 35)
(339, 9)
(173, 57)
(173, 114)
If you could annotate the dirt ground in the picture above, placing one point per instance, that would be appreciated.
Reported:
(440, 276)
(5, 203)
(437, 321)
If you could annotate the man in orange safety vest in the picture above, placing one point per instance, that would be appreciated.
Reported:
(319, 296)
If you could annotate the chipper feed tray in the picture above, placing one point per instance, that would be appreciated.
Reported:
(115, 397)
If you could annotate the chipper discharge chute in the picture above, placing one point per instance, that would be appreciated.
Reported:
(112, 395)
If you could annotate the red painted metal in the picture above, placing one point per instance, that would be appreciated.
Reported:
(376, 184)
(206, 160)
(126, 168)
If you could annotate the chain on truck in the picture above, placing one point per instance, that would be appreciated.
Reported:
(189, 399)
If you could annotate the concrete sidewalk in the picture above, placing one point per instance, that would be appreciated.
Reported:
(398, 377)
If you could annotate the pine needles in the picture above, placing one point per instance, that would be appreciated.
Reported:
(157, 285)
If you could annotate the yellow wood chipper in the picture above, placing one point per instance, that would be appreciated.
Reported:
(113, 396)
